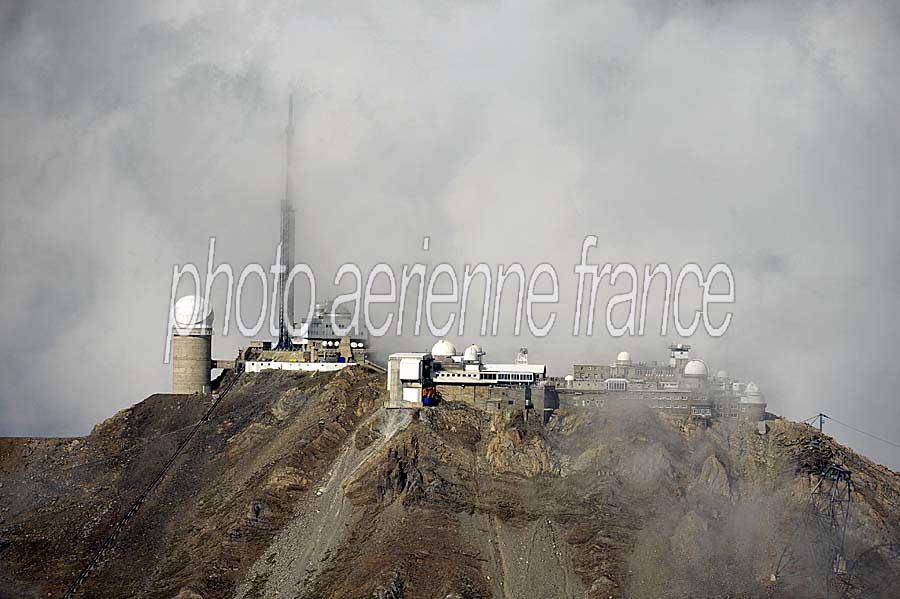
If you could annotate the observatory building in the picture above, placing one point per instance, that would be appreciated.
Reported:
(191, 346)
(317, 346)
(683, 386)
(422, 379)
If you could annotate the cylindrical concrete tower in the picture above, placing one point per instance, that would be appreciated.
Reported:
(192, 347)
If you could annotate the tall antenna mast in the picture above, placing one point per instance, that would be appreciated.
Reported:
(286, 301)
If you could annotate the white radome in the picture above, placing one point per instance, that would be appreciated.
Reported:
(696, 368)
(472, 353)
(623, 357)
(752, 394)
(443, 349)
(189, 312)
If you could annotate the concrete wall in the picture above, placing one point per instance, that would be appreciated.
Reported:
(542, 399)
(676, 404)
(395, 386)
(191, 363)
(752, 412)
(259, 366)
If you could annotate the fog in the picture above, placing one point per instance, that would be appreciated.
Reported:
(762, 135)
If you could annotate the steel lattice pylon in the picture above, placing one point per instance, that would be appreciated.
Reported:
(814, 563)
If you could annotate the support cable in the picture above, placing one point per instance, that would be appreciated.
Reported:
(113, 536)
(868, 434)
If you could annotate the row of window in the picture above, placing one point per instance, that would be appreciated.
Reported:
(508, 377)
(512, 376)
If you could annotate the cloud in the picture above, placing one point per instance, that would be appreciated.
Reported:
(761, 134)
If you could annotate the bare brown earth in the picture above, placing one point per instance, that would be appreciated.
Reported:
(301, 486)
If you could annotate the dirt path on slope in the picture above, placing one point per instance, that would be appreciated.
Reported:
(305, 544)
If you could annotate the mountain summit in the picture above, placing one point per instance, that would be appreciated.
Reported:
(302, 485)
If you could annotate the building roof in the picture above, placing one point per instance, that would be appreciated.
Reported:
(535, 368)
(418, 355)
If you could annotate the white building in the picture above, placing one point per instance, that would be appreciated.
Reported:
(421, 379)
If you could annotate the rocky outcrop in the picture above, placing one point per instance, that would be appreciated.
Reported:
(515, 448)
(713, 478)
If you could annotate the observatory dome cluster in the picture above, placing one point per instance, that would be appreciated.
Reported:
(327, 342)
(682, 386)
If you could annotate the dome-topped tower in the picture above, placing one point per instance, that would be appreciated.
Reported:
(623, 359)
(191, 346)
(753, 404)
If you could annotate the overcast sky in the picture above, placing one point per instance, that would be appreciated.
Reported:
(763, 135)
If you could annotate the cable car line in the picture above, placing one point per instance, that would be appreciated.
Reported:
(113, 536)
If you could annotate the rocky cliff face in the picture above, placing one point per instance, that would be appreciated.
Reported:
(301, 486)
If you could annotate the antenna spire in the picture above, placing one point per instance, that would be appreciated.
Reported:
(286, 300)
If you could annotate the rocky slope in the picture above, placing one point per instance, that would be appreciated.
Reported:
(302, 486)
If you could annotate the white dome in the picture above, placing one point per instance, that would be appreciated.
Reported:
(722, 375)
(472, 353)
(623, 358)
(443, 349)
(696, 368)
(570, 377)
(189, 312)
(752, 394)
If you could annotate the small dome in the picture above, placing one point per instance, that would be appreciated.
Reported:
(443, 349)
(696, 369)
(189, 312)
(570, 377)
(752, 394)
(722, 375)
(472, 353)
(623, 358)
